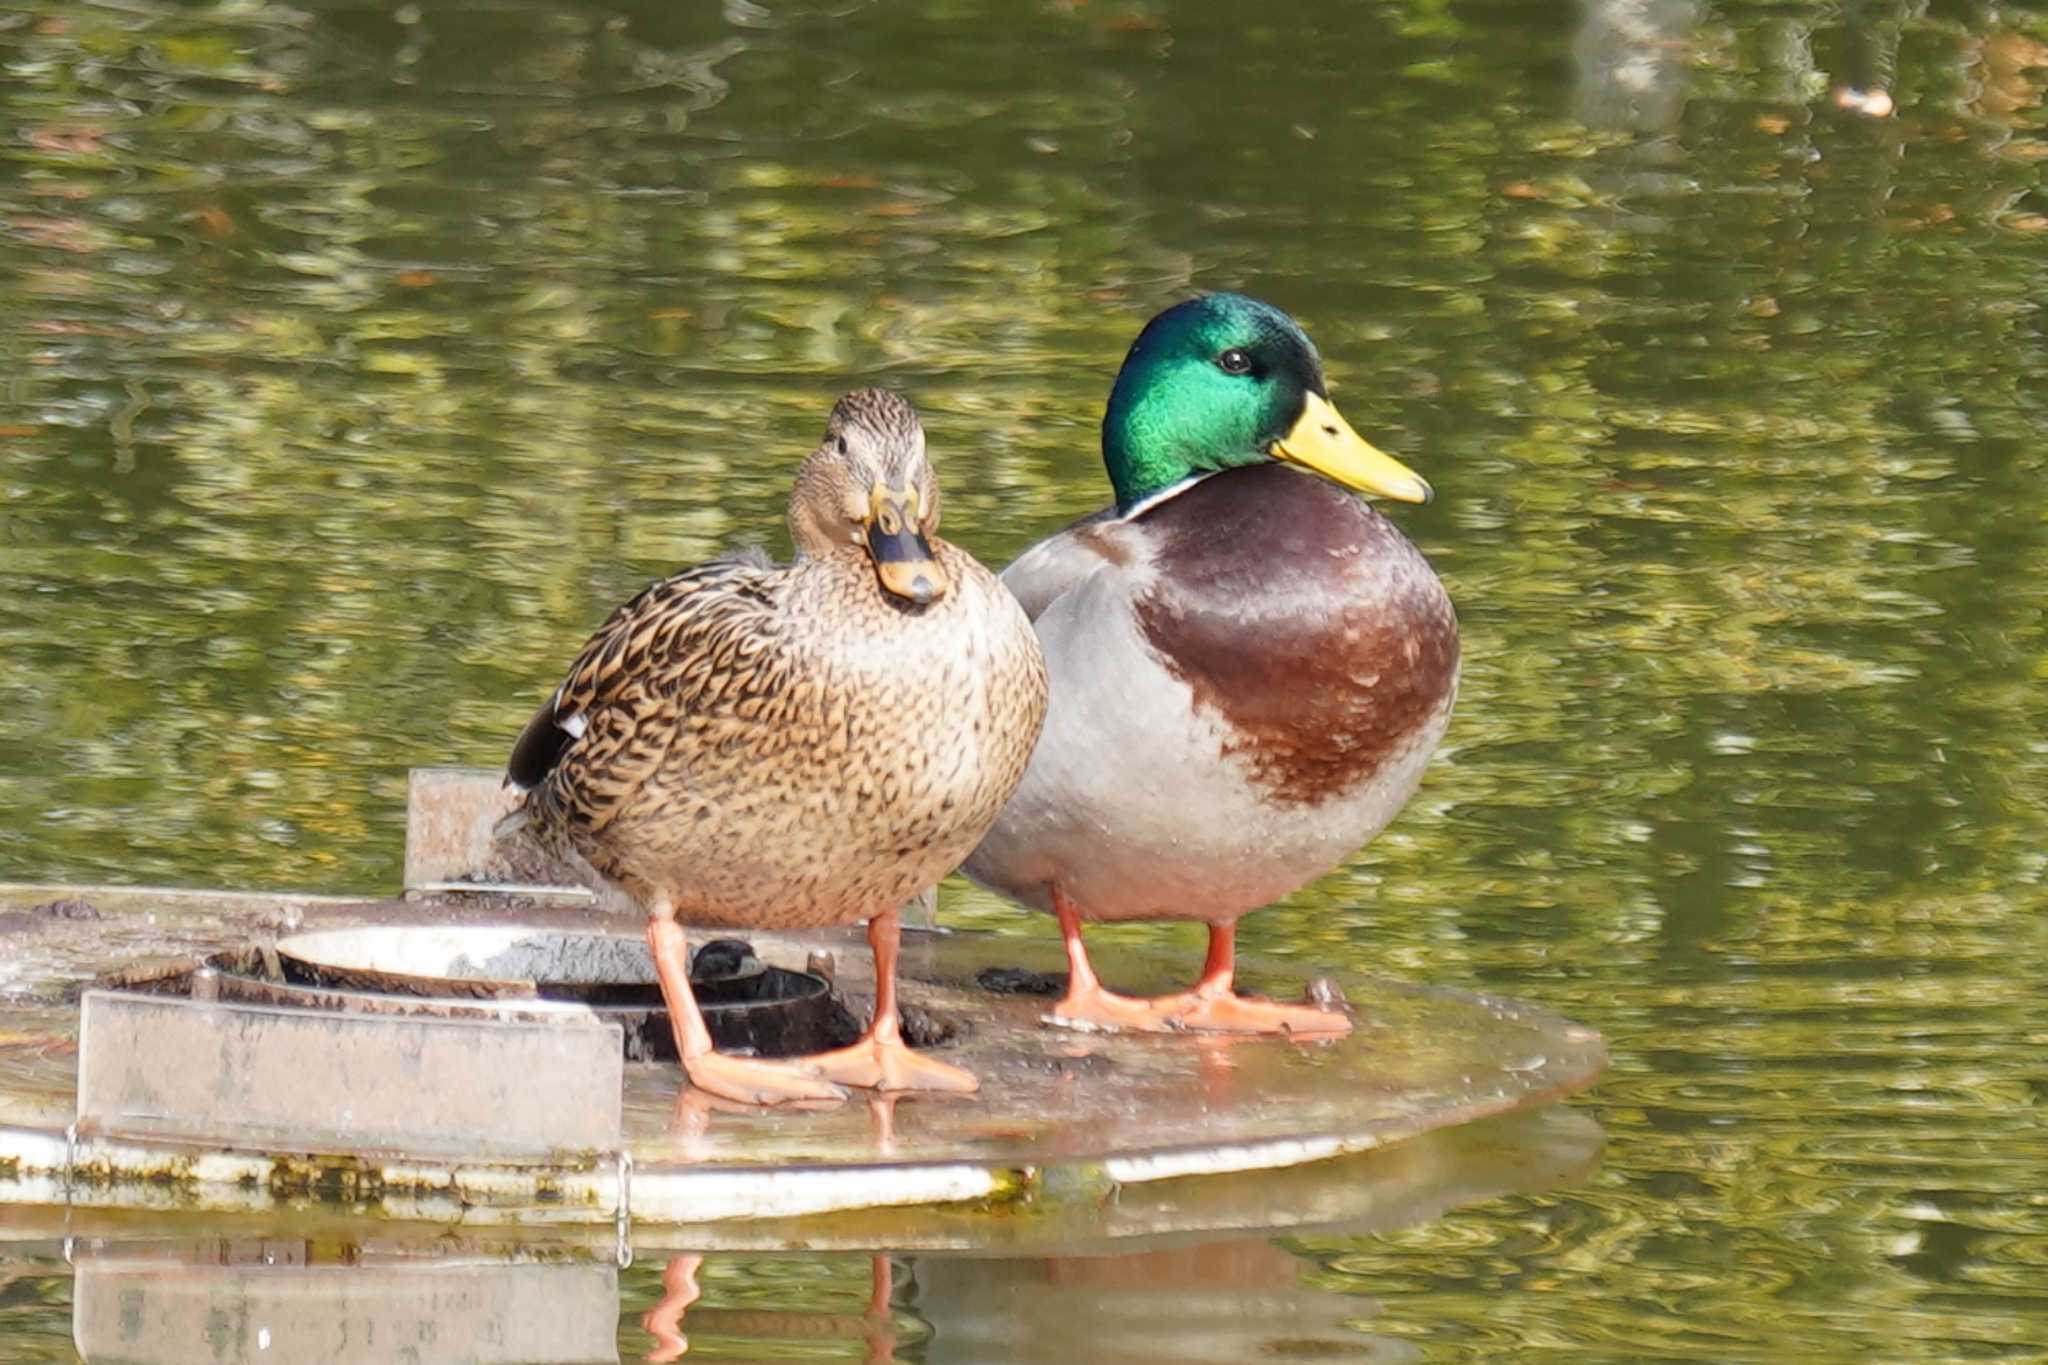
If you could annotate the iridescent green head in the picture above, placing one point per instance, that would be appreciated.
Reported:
(1225, 380)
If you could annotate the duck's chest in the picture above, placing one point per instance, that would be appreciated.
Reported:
(1304, 633)
(951, 691)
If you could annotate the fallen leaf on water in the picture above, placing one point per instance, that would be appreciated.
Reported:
(214, 221)
(82, 141)
(66, 234)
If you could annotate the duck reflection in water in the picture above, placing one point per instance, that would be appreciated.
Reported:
(1219, 1301)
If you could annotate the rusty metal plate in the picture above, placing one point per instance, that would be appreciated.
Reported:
(157, 1067)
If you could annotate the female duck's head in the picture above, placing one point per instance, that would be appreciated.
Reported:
(869, 483)
(1224, 380)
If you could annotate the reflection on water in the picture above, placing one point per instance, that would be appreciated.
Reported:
(1219, 1301)
(362, 356)
(244, 1302)
(1224, 1302)
(1057, 1281)
(237, 1302)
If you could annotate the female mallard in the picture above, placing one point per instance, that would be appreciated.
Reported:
(792, 746)
(1250, 667)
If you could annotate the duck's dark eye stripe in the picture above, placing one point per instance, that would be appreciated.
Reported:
(1234, 361)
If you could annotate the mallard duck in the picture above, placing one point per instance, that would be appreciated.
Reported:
(786, 747)
(1250, 666)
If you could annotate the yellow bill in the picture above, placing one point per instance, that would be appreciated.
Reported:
(1323, 441)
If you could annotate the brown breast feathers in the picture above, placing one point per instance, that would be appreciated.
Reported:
(1303, 621)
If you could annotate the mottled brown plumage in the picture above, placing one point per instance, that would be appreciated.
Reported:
(790, 746)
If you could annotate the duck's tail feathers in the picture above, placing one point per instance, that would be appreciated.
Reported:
(539, 747)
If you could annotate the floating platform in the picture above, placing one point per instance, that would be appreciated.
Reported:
(219, 1052)
(320, 1285)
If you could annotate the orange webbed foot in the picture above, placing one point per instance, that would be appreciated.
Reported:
(1196, 1011)
(744, 1080)
(890, 1064)
(879, 1059)
(750, 1080)
(1255, 1014)
(1211, 1007)
(1092, 1008)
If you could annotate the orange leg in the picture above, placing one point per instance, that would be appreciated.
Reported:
(1086, 1004)
(880, 1059)
(664, 1321)
(748, 1080)
(881, 1336)
(1211, 1007)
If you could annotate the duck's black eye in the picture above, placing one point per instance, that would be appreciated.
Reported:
(1234, 361)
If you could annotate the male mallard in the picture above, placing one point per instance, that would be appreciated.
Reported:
(1250, 667)
(791, 746)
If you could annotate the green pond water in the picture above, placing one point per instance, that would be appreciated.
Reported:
(358, 358)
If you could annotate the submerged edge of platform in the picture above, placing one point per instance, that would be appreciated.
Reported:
(70, 1168)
